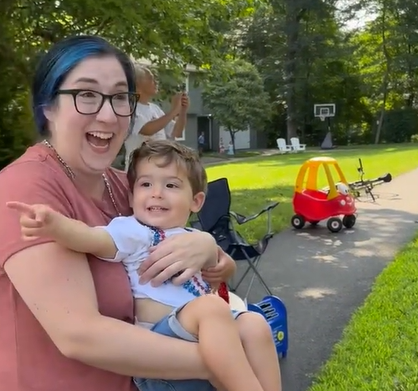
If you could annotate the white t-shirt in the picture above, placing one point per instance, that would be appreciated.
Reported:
(143, 115)
(133, 240)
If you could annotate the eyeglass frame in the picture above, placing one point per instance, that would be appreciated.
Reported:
(109, 97)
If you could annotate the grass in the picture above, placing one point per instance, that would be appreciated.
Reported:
(256, 181)
(238, 154)
(379, 348)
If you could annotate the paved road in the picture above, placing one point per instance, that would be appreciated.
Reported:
(324, 277)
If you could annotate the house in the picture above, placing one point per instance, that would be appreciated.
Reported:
(200, 119)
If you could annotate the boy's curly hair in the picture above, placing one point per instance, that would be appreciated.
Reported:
(170, 151)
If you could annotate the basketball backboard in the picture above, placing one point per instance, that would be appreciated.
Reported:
(323, 110)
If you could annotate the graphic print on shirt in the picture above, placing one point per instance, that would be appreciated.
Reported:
(193, 286)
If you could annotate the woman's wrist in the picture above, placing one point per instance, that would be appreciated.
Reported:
(230, 265)
(212, 250)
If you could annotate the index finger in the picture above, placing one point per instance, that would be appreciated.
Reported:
(21, 207)
(184, 276)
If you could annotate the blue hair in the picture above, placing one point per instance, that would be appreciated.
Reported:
(60, 60)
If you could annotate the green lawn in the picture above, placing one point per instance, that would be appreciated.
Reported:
(379, 348)
(256, 181)
(238, 154)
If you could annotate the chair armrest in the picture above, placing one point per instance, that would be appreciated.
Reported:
(241, 219)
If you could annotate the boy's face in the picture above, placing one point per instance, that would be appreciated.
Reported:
(147, 84)
(162, 196)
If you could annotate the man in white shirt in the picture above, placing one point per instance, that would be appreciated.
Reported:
(150, 120)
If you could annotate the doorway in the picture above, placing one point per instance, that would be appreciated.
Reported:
(204, 124)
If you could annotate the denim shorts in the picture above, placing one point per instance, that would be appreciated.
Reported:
(171, 327)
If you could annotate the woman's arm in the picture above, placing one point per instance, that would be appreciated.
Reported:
(60, 292)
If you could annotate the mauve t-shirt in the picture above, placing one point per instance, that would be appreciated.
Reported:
(29, 361)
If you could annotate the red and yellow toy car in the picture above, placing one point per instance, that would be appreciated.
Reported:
(312, 205)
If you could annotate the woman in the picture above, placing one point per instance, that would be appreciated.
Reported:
(67, 318)
(150, 120)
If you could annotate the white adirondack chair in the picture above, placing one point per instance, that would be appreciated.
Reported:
(296, 145)
(283, 147)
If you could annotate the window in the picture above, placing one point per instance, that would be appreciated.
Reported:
(183, 136)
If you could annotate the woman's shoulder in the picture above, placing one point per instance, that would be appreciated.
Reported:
(31, 179)
(35, 161)
(119, 175)
(36, 177)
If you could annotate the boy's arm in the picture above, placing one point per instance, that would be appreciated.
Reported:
(79, 237)
(122, 237)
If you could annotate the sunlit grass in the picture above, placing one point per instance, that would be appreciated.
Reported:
(256, 181)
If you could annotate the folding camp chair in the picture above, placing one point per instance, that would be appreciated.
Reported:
(215, 218)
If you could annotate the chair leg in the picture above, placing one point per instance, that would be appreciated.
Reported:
(252, 266)
(260, 278)
(230, 284)
(242, 278)
(256, 262)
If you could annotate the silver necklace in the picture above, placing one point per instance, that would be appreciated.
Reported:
(71, 175)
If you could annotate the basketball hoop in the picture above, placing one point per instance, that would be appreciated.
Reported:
(324, 110)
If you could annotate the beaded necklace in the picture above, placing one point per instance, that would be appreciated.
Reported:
(70, 173)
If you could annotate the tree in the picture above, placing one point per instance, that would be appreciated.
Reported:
(386, 51)
(170, 33)
(235, 94)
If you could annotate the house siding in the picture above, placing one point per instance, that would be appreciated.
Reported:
(200, 119)
(190, 138)
(196, 110)
(258, 139)
(197, 107)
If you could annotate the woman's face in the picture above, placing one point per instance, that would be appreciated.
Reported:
(89, 143)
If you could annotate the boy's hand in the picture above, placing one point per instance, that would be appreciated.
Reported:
(214, 275)
(35, 220)
(222, 271)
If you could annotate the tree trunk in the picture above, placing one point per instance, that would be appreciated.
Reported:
(411, 78)
(232, 133)
(385, 83)
(293, 17)
(379, 125)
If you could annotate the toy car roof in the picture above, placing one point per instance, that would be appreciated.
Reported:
(321, 159)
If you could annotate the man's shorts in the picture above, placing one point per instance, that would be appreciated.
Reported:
(171, 327)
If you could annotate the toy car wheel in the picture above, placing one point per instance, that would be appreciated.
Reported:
(334, 224)
(298, 221)
(349, 221)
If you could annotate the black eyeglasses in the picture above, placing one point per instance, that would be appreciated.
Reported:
(91, 102)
